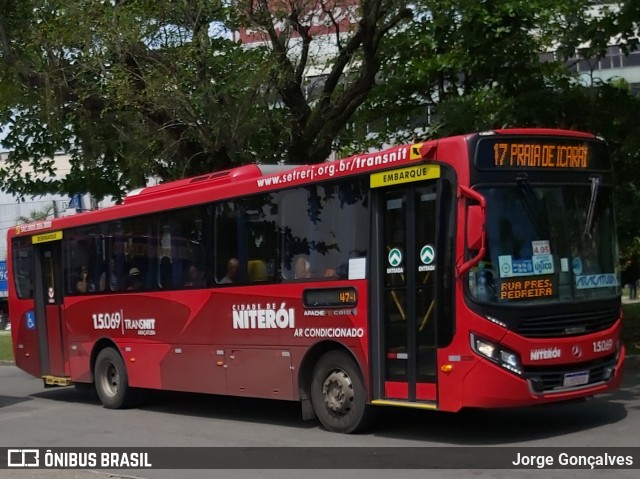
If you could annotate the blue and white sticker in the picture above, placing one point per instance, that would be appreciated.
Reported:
(30, 319)
(510, 267)
(588, 281)
(542, 264)
(576, 265)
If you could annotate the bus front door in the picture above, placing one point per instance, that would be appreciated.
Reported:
(405, 366)
(48, 309)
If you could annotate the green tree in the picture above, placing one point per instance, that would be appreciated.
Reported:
(468, 65)
(128, 88)
(133, 88)
(466, 52)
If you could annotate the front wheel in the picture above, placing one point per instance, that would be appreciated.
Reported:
(338, 394)
(111, 380)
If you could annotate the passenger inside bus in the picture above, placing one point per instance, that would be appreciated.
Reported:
(301, 268)
(135, 281)
(331, 273)
(102, 282)
(115, 283)
(84, 284)
(166, 272)
(232, 272)
(108, 280)
(195, 277)
(257, 271)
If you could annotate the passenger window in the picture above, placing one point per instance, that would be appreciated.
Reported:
(321, 238)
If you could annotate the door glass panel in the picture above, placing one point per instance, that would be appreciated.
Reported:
(49, 277)
(425, 246)
(410, 269)
(394, 270)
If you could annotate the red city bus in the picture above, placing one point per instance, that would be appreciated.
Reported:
(470, 271)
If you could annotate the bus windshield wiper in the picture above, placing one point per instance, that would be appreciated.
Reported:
(595, 185)
(533, 206)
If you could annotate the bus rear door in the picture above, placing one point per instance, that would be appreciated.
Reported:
(48, 304)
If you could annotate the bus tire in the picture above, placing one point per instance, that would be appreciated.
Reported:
(111, 380)
(338, 394)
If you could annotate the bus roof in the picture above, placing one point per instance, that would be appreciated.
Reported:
(237, 181)
(215, 178)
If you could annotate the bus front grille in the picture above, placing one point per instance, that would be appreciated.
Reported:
(565, 325)
(551, 378)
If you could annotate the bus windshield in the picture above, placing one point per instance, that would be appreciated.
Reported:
(547, 243)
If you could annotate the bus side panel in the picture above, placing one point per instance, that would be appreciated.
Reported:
(174, 367)
(80, 360)
(25, 338)
(260, 373)
(246, 341)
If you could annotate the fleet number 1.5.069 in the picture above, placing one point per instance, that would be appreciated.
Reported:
(107, 320)
(602, 346)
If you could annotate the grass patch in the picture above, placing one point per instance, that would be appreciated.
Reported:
(6, 349)
(631, 327)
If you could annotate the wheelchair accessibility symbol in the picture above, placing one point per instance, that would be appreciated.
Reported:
(31, 320)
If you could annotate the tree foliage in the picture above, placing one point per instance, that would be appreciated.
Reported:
(468, 65)
(132, 88)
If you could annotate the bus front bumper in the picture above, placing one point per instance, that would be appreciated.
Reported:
(487, 385)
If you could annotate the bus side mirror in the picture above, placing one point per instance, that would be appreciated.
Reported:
(475, 227)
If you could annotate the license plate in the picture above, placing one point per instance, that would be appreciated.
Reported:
(575, 379)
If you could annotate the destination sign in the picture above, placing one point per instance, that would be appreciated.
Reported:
(46, 237)
(541, 154)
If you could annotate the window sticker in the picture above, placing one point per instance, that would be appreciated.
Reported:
(395, 260)
(542, 264)
(514, 267)
(428, 257)
(357, 268)
(576, 266)
(541, 247)
(588, 281)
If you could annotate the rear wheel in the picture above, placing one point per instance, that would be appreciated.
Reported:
(111, 380)
(338, 394)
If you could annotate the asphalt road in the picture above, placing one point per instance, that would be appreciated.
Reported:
(31, 416)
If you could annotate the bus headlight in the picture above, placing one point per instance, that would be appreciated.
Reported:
(496, 353)
(486, 348)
